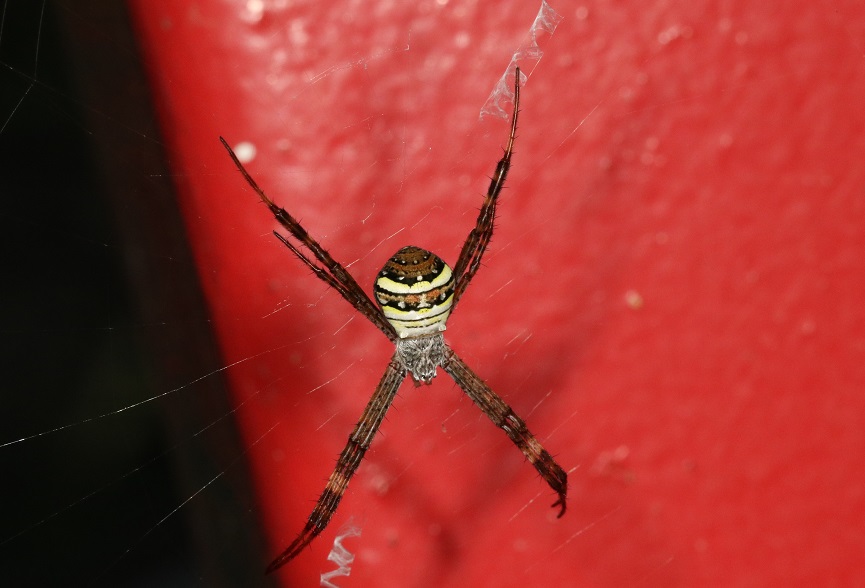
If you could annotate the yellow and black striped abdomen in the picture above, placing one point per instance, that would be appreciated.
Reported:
(415, 290)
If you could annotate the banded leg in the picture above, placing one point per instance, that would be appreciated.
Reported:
(505, 419)
(476, 244)
(333, 274)
(349, 460)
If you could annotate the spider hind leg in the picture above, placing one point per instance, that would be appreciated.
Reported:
(504, 418)
(349, 460)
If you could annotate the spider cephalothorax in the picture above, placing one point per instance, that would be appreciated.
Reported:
(416, 292)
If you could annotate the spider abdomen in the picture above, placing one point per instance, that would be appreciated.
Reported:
(415, 289)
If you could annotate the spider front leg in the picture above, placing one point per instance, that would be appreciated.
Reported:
(349, 460)
(476, 244)
(504, 418)
(330, 271)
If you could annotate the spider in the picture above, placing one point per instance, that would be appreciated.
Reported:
(416, 292)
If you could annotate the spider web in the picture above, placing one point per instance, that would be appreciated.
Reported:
(120, 466)
(97, 420)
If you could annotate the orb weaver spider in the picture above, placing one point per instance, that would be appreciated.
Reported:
(416, 292)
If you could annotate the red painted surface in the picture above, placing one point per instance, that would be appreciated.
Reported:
(673, 298)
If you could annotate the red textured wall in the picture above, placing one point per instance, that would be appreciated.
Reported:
(673, 299)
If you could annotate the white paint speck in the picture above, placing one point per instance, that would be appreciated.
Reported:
(298, 34)
(253, 11)
(245, 152)
(633, 299)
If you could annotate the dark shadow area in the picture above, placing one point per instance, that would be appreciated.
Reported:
(100, 312)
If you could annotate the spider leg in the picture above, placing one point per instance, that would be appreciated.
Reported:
(349, 460)
(504, 418)
(330, 271)
(476, 244)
